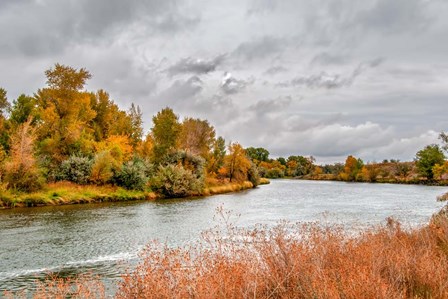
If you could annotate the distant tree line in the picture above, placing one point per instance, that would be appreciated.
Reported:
(429, 166)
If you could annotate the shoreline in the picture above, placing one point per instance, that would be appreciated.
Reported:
(66, 193)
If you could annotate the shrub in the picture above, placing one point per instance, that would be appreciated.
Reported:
(176, 181)
(23, 179)
(75, 169)
(196, 164)
(104, 167)
(21, 170)
(253, 175)
(133, 174)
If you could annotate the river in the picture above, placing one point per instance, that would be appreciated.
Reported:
(105, 238)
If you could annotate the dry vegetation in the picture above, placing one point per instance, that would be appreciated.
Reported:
(288, 261)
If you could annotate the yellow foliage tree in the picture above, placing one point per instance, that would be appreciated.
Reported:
(236, 163)
(119, 146)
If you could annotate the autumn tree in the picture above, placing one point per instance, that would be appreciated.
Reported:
(136, 122)
(65, 113)
(165, 132)
(21, 170)
(352, 168)
(196, 137)
(236, 163)
(427, 158)
(146, 148)
(370, 172)
(110, 120)
(300, 165)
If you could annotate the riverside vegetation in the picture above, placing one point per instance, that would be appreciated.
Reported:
(286, 261)
(68, 145)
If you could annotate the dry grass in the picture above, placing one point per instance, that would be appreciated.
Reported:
(298, 261)
(264, 181)
(227, 188)
(291, 261)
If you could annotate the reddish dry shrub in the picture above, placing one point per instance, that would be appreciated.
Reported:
(288, 261)
(298, 261)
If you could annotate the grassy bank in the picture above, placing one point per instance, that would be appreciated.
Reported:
(63, 193)
(288, 261)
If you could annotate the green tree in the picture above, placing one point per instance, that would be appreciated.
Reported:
(259, 154)
(219, 152)
(165, 133)
(22, 109)
(427, 158)
(4, 104)
(444, 137)
(282, 160)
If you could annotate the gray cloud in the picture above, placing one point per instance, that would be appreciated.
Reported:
(264, 47)
(275, 70)
(331, 81)
(231, 85)
(195, 66)
(158, 53)
(271, 106)
(395, 16)
(329, 59)
(181, 90)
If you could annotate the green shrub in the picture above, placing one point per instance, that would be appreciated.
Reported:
(253, 175)
(26, 180)
(75, 169)
(274, 173)
(196, 164)
(176, 181)
(133, 175)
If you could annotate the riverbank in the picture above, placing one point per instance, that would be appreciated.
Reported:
(66, 193)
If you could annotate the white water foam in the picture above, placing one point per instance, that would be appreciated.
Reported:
(122, 256)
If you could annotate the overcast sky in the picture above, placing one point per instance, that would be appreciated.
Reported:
(326, 78)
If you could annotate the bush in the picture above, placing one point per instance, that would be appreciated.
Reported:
(274, 173)
(196, 164)
(75, 169)
(176, 181)
(103, 168)
(22, 179)
(253, 175)
(134, 175)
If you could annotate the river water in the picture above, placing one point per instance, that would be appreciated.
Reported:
(105, 238)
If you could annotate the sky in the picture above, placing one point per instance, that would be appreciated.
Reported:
(327, 78)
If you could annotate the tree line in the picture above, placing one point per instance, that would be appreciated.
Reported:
(65, 133)
(429, 166)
